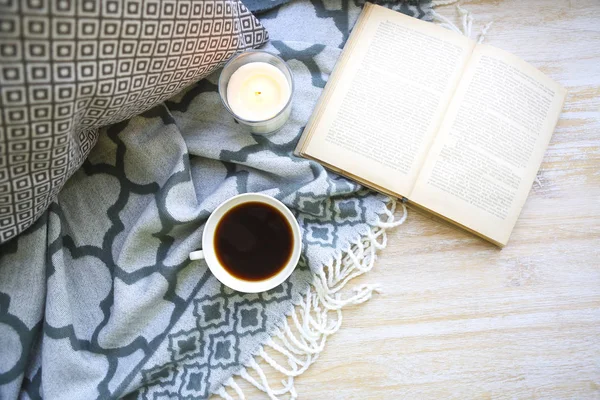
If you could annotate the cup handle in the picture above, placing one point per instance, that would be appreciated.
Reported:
(197, 255)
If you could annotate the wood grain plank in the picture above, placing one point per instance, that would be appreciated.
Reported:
(460, 318)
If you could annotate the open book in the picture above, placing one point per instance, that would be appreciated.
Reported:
(417, 111)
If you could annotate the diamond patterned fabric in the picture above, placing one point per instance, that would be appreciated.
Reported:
(70, 67)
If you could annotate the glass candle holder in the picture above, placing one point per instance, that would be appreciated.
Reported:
(281, 75)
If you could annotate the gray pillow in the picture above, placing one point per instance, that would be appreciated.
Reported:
(70, 67)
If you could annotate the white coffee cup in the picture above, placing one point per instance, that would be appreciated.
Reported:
(208, 252)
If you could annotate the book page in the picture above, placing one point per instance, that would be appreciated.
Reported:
(490, 146)
(381, 109)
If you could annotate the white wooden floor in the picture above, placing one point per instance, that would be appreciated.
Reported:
(462, 319)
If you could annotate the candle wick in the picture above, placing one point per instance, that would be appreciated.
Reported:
(257, 93)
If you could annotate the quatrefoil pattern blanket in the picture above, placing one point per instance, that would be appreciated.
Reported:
(98, 299)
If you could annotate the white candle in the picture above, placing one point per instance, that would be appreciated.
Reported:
(257, 91)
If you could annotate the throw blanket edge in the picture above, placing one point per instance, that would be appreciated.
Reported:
(301, 337)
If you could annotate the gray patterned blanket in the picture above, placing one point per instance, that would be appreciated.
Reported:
(99, 300)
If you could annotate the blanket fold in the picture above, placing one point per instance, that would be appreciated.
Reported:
(98, 298)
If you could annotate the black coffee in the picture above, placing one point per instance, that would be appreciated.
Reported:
(253, 241)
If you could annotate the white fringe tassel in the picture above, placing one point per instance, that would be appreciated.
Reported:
(466, 19)
(318, 314)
